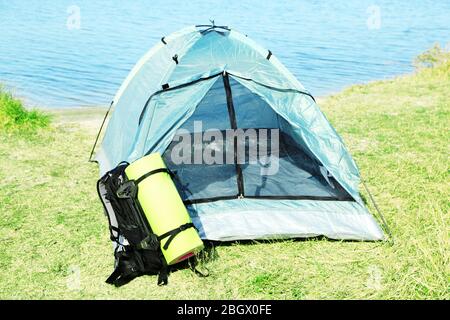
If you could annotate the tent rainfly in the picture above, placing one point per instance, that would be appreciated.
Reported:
(254, 156)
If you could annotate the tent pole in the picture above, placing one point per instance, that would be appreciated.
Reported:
(99, 132)
(386, 227)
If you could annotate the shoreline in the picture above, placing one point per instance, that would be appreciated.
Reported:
(319, 98)
(91, 117)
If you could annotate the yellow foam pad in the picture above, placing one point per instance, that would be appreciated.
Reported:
(163, 207)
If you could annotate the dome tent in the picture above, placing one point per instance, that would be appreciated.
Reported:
(223, 80)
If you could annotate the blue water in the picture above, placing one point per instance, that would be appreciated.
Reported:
(327, 44)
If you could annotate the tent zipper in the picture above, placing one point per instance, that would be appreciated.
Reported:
(233, 123)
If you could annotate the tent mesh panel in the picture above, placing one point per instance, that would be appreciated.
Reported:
(210, 157)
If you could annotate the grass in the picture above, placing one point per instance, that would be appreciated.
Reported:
(52, 227)
(16, 119)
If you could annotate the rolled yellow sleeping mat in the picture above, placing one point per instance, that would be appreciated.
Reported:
(164, 208)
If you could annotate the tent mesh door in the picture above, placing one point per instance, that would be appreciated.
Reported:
(261, 159)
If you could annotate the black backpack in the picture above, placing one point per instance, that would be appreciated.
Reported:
(137, 249)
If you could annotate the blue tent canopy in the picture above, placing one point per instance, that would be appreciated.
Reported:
(212, 81)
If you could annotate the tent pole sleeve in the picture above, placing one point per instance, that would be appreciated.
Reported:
(99, 132)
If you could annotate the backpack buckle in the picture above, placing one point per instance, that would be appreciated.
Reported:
(185, 227)
(127, 190)
(149, 243)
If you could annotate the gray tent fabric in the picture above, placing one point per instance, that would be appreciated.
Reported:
(275, 167)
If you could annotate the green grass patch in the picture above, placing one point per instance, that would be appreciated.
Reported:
(15, 118)
(54, 238)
